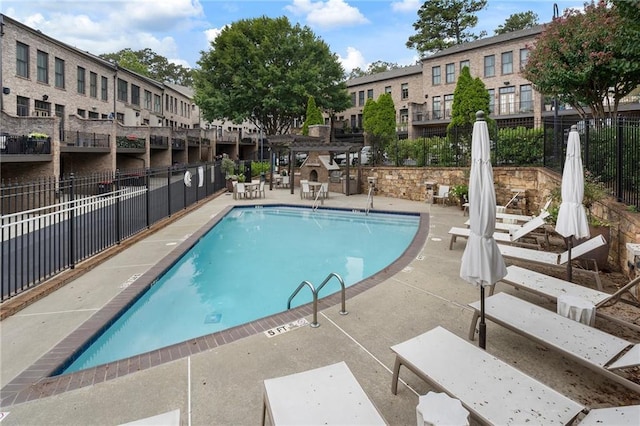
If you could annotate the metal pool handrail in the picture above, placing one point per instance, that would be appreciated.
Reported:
(315, 292)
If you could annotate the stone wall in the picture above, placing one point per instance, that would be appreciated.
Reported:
(409, 183)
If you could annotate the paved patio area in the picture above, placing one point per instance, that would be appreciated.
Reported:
(223, 386)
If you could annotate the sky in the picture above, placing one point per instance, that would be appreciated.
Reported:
(359, 32)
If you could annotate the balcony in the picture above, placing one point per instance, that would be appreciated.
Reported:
(13, 147)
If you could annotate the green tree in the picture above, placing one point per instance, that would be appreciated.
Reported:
(469, 97)
(444, 23)
(373, 68)
(587, 59)
(379, 124)
(314, 116)
(518, 21)
(149, 63)
(264, 70)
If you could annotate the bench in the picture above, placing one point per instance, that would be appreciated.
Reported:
(593, 348)
(491, 390)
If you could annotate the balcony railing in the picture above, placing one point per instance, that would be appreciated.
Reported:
(23, 145)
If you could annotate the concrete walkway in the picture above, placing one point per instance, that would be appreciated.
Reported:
(223, 386)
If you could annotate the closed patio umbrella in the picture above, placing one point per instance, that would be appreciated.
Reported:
(572, 217)
(482, 263)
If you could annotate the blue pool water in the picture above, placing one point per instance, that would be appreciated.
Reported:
(246, 267)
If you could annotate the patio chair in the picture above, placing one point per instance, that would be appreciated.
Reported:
(557, 259)
(241, 191)
(443, 194)
(513, 237)
(324, 190)
(305, 190)
(599, 351)
(284, 181)
(552, 288)
(260, 193)
(326, 395)
(491, 390)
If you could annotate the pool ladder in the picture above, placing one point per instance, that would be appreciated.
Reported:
(315, 292)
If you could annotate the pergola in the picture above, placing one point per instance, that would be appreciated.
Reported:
(300, 143)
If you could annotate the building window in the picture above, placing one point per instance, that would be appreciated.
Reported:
(43, 67)
(59, 73)
(465, 63)
(436, 76)
(353, 99)
(93, 84)
(22, 60)
(448, 105)
(387, 89)
(526, 98)
(507, 100)
(361, 98)
(436, 108)
(81, 88)
(135, 94)
(123, 90)
(492, 100)
(82, 113)
(404, 90)
(147, 99)
(370, 94)
(450, 73)
(490, 66)
(22, 107)
(104, 88)
(507, 63)
(524, 58)
(42, 108)
(157, 103)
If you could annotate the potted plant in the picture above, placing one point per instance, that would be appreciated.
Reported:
(460, 193)
(228, 166)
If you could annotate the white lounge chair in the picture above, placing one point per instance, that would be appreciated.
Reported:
(513, 237)
(491, 390)
(326, 395)
(593, 348)
(443, 194)
(556, 259)
(552, 288)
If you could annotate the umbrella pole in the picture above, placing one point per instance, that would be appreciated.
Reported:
(482, 337)
(569, 268)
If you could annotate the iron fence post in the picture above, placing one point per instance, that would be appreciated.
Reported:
(72, 222)
(117, 192)
(619, 162)
(148, 196)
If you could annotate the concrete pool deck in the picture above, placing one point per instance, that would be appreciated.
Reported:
(224, 386)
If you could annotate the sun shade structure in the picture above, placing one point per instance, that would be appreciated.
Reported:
(572, 217)
(482, 262)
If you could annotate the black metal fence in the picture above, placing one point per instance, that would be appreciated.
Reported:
(50, 225)
(610, 152)
(610, 149)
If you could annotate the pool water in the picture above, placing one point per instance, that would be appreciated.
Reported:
(246, 267)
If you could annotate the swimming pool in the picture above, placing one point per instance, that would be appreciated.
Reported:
(220, 282)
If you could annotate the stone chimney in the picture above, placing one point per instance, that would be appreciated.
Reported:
(321, 131)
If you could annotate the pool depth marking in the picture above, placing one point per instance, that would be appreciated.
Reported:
(276, 331)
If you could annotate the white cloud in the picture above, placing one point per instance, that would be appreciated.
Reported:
(327, 14)
(354, 59)
(406, 5)
(212, 33)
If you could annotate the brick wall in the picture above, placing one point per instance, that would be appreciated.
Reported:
(409, 183)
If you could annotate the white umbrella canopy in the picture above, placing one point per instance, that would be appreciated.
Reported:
(482, 262)
(572, 216)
